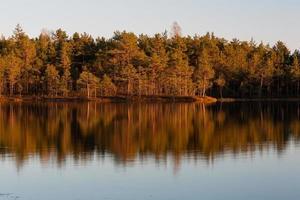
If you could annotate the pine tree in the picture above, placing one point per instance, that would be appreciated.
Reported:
(158, 61)
(63, 61)
(156, 68)
(107, 87)
(2, 76)
(178, 73)
(13, 71)
(128, 75)
(282, 55)
(220, 82)
(52, 80)
(262, 67)
(88, 82)
(203, 74)
(295, 72)
(26, 51)
(45, 56)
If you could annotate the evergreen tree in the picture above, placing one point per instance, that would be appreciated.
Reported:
(203, 74)
(25, 50)
(295, 72)
(220, 82)
(88, 82)
(107, 87)
(52, 80)
(13, 71)
(128, 75)
(178, 73)
(2, 76)
(282, 55)
(63, 61)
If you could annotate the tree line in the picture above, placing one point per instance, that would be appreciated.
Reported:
(55, 64)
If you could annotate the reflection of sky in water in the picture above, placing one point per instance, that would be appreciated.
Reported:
(259, 176)
(233, 151)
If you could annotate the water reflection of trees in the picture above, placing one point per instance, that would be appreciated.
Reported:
(158, 130)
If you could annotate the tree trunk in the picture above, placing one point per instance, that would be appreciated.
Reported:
(128, 87)
(298, 87)
(221, 92)
(261, 86)
(11, 90)
(27, 86)
(139, 92)
(204, 86)
(278, 88)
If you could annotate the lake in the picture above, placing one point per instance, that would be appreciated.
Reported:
(175, 151)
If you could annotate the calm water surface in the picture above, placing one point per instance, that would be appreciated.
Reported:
(150, 151)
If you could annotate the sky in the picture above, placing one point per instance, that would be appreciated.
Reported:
(262, 20)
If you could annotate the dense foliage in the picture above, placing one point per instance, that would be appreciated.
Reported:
(55, 64)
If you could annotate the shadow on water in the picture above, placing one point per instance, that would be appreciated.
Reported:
(128, 132)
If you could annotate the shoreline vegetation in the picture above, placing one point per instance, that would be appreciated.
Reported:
(167, 67)
(113, 99)
(139, 99)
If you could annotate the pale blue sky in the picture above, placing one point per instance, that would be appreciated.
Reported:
(264, 20)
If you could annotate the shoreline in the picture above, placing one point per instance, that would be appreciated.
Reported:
(145, 99)
(112, 99)
(229, 100)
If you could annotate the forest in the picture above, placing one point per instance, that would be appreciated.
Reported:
(55, 64)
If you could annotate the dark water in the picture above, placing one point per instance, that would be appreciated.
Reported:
(150, 151)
